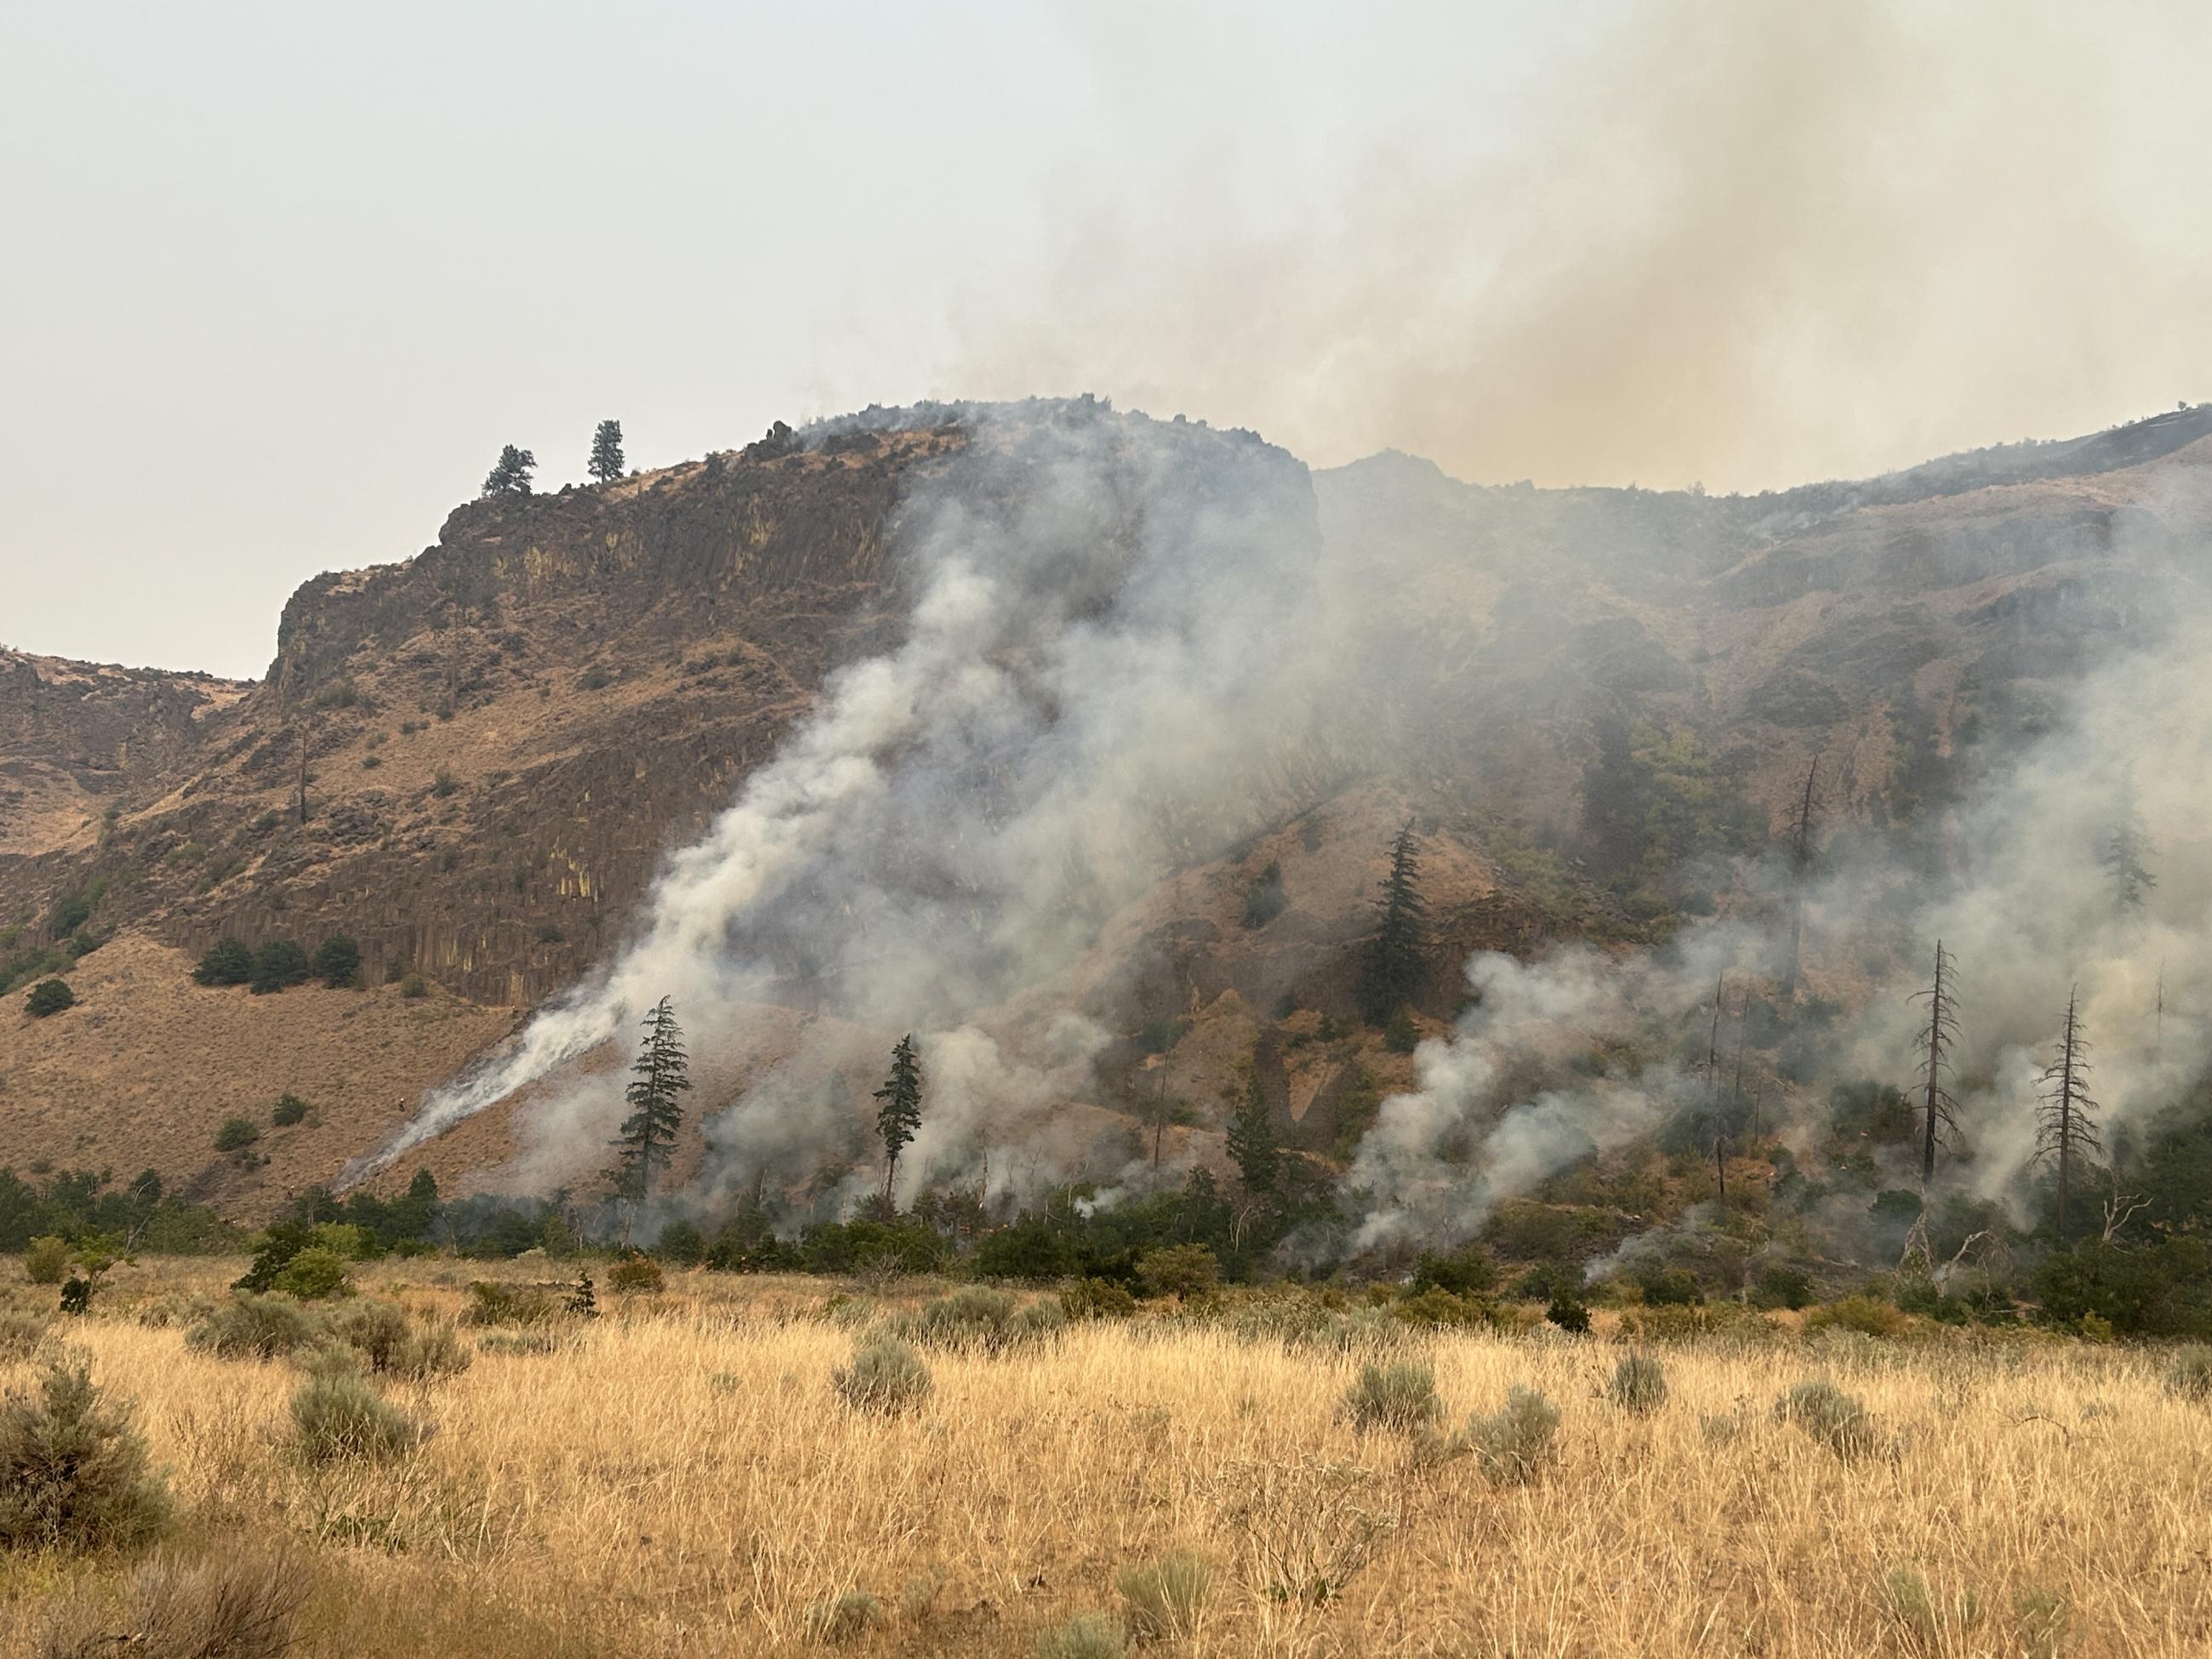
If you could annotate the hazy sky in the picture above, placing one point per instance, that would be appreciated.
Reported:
(281, 279)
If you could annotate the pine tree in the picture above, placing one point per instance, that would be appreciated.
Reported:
(660, 1074)
(583, 1299)
(2065, 1127)
(1252, 1143)
(900, 1114)
(511, 475)
(606, 462)
(226, 962)
(2125, 852)
(1392, 972)
(1938, 1122)
(337, 962)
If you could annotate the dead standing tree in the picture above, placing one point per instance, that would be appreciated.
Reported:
(1800, 868)
(1939, 1123)
(2065, 1124)
(1713, 1088)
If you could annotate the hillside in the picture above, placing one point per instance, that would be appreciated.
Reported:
(475, 762)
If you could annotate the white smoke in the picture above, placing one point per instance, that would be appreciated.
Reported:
(2024, 900)
(1119, 631)
(1105, 630)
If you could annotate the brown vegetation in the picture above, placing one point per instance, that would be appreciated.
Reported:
(682, 1477)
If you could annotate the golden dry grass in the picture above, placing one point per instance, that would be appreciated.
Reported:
(680, 1477)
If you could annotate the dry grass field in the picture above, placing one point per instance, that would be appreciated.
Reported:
(680, 1477)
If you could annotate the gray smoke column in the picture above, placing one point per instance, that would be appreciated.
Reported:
(1103, 648)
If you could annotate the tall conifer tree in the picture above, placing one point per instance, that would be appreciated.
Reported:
(900, 1113)
(660, 1074)
(1392, 972)
(606, 462)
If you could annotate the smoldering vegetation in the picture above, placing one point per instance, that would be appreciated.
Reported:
(1135, 644)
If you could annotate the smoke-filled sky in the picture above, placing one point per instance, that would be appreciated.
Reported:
(281, 280)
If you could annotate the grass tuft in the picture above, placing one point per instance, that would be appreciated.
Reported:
(886, 1377)
(1638, 1385)
(1514, 1445)
(336, 1418)
(2190, 1376)
(1401, 1397)
(1165, 1598)
(256, 1327)
(1837, 1420)
(232, 1607)
(1086, 1636)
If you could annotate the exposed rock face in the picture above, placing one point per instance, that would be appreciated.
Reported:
(76, 737)
(502, 737)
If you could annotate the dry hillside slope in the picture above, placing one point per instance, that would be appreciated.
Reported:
(496, 741)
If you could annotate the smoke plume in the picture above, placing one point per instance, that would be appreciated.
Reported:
(1101, 666)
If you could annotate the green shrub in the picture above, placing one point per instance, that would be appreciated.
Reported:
(886, 1376)
(1400, 1036)
(1669, 1287)
(1782, 1287)
(1266, 900)
(73, 1475)
(1086, 1636)
(2190, 1376)
(289, 1109)
(315, 1275)
(1164, 1597)
(1178, 1270)
(72, 911)
(1638, 1385)
(338, 963)
(1833, 1418)
(49, 996)
(277, 966)
(378, 1331)
(255, 1328)
(236, 1134)
(1857, 1313)
(492, 1304)
(977, 1320)
(167, 1312)
(412, 987)
(1097, 1298)
(1710, 1321)
(46, 1259)
(1513, 1444)
(226, 962)
(682, 1244)
(1401, 1396)
(636, 1275)
(1568, 1315)
(844, 1618)
(1468, 1271)
(336, 1416)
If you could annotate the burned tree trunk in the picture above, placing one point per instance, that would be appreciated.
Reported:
(1938, 1123)
(2066, 1127)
